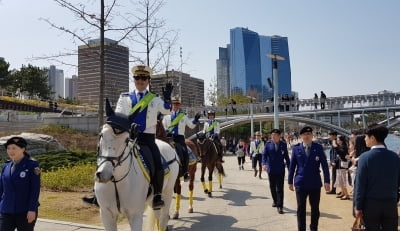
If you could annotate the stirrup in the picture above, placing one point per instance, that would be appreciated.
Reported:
(158, 203)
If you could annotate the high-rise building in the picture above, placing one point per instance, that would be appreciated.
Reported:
(223, 83)
(116, 69)
(192, 89)
(249, 66)
(56, 82)
(71, 87)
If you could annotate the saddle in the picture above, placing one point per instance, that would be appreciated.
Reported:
(146, 162)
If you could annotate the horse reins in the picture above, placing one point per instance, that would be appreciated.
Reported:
(119, 161)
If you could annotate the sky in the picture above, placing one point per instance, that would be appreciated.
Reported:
(342, 47)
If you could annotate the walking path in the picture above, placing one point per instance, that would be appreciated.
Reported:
(243, 204)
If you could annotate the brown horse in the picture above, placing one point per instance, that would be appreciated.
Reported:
(161, 134)
(210, 160)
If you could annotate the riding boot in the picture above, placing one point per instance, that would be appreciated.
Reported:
(185, 163)
(158, 182)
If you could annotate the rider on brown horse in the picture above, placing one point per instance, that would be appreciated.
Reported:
(211, 129)
(175, 125)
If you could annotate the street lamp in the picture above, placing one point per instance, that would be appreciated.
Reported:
(275, 59)
(251, 115)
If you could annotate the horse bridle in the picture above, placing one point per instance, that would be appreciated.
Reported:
(201, 154)
(116, 160)
(119, 160)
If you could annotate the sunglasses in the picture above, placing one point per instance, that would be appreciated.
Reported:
(141, 77)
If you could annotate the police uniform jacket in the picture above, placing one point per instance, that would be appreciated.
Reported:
(213, 131)
(183, 122)
(305, 171)
(256, 148)
(275, 159)
(147, 119)
(20, 191)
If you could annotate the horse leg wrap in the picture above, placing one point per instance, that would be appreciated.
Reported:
(219, 178)
(191, 197)
(210, 186)
(177, 202)
(204, 185)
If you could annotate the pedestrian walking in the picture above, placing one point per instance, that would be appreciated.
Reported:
(274, 158)
(304, 177)
(256, 149)
(241, 153)
(377, 183)
(333, 161)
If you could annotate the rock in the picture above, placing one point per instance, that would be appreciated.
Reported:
(37, 144)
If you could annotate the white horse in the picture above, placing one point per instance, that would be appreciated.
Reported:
(121, 185)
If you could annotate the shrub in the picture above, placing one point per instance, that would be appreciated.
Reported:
(76, 178)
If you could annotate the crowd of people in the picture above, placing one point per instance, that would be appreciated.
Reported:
(358, 167)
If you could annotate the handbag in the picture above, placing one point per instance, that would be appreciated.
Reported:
(344, 164)
(358, 225)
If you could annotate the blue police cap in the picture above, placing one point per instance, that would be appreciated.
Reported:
(305, 129)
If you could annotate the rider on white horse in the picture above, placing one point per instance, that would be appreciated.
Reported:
(147, 104)
(175, 125)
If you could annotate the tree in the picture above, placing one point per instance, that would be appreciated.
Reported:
(119, 22)
(32, 80)
(4, 73)
(212, 92)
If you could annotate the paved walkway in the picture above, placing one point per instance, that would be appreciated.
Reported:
(243, 204)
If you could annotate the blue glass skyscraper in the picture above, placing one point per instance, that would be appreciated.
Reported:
(250, 68)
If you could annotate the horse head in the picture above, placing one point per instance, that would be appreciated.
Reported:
(204, 144)
(113, 148)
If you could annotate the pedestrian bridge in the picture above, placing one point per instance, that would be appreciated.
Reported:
(328, 119)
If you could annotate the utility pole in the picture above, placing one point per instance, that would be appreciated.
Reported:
(275, 59)
(180, 78)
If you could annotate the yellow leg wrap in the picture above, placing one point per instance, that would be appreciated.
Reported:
(177, 202)
(220, 178)
(191, 197)
(158, 224)
(204, 185)
(210, 186)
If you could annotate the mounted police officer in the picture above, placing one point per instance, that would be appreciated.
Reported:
(212, 129)
(304, 177)
(175, 125)
(19, 188)
(147, 105)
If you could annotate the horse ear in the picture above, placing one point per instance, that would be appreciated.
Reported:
(109, 110)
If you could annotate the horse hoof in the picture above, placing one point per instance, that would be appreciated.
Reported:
(209, 195)
(176, 215)
(190, 210)
(220, 186)
(206, 191)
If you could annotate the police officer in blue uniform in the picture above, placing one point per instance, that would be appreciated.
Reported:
(304, 177)
(148, 105)
(274, 158)
(19, 188)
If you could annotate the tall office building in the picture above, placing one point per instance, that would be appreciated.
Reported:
(71, 87)
(116, 69)
(249, 66)
(56, 82)
(223, 83)
(192, 89)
